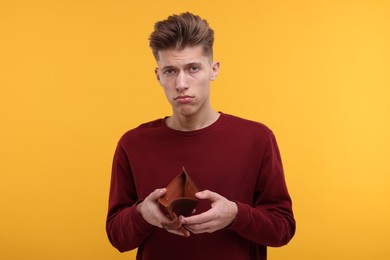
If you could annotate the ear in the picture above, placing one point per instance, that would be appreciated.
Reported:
(157, 74)
(215, 70)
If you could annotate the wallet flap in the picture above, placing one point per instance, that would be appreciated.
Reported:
(179, 200)
(180, 186)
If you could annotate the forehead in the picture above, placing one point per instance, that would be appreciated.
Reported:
(177, 57)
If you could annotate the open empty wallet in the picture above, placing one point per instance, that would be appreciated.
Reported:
(178, 200)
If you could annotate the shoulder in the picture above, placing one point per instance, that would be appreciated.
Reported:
(242, 124)
(249, 133)
(142, 130)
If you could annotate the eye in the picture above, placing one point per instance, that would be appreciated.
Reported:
(169, 72)
(194, 69)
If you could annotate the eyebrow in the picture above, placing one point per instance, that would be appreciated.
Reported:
(198, 64)
(167, 67)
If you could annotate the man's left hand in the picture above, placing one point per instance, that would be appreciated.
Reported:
(222, 213)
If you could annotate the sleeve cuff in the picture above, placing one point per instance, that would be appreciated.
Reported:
(242, 217)
(141, 224)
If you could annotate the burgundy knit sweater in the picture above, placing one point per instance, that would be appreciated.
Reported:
(237, 158)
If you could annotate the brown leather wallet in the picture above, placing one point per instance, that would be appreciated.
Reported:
(179, 200)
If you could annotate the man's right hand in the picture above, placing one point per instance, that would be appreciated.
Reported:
(150, 211)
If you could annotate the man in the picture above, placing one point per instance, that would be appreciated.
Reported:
(244, 205)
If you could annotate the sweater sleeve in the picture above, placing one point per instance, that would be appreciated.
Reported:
(126, 228)
(270, 221)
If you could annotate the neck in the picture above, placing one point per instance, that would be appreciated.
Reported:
(193, 122)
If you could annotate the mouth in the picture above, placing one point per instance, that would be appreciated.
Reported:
(183, 97)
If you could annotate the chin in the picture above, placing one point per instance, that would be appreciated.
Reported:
(187, 111)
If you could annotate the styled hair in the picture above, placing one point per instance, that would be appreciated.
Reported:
(181, 31)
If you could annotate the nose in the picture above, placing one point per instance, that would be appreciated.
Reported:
(181, 81)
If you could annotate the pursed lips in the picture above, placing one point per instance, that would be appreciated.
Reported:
(183, 97)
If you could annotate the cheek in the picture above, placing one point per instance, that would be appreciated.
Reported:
(204, 84)
(164, 83)
(168, 91)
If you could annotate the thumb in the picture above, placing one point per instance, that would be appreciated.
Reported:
(158, 193)
(206, 194)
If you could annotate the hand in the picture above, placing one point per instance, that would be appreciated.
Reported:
(150, 211)
(221, 214)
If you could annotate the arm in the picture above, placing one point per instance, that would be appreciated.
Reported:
(269, 221)
(125, 226)
(131, 220)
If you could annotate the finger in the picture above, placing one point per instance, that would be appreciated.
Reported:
(209, 195)
(156, 194)
(207, 227)
(197, 219)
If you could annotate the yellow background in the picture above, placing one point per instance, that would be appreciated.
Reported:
(75, 75)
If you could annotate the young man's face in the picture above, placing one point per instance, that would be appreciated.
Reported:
(185, 76)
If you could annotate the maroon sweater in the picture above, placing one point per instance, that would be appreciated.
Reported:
(237, 158)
